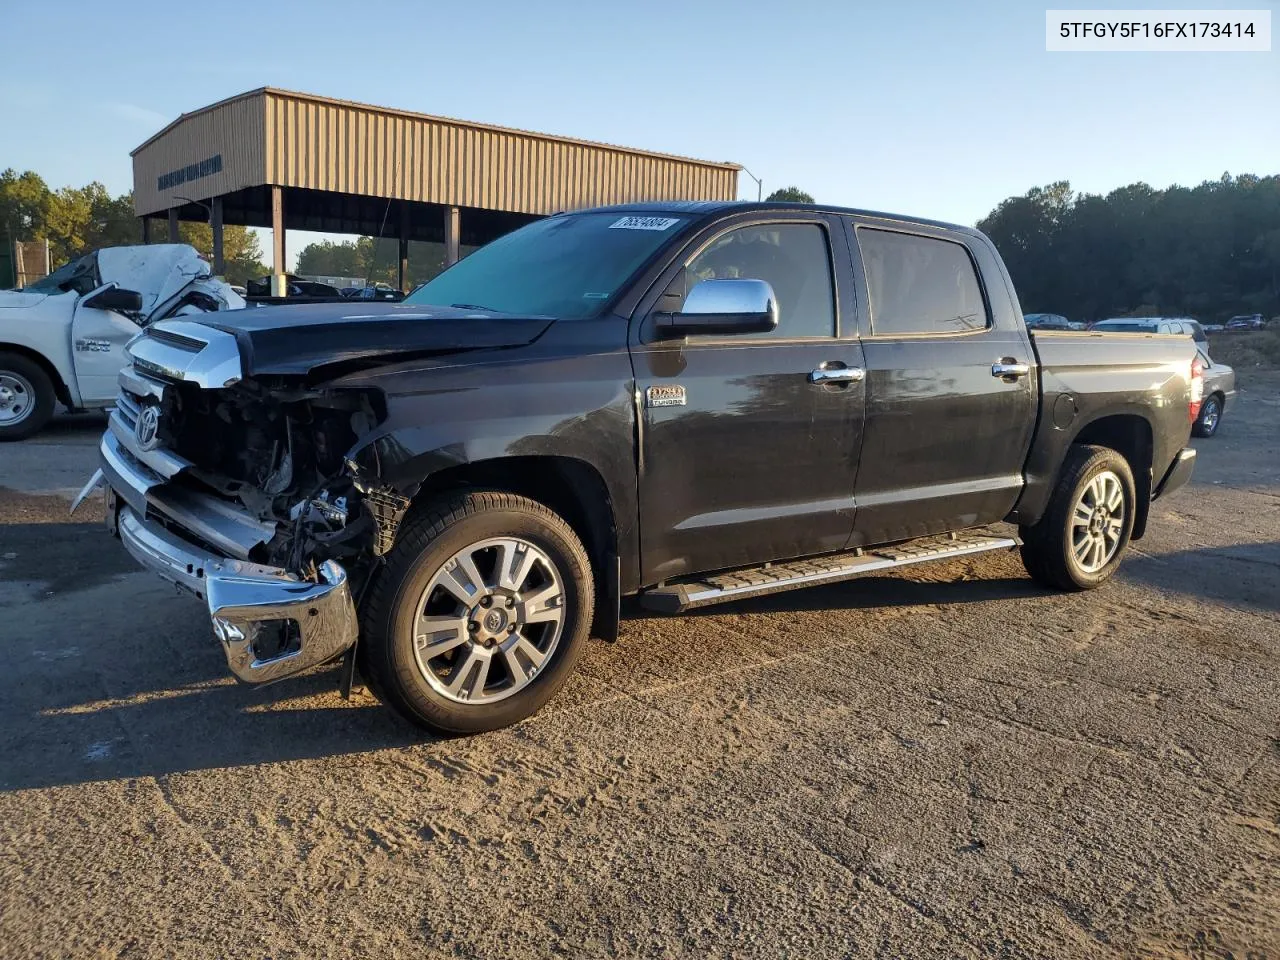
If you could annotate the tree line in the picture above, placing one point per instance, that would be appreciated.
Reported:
(77, 220)
(1209, 252)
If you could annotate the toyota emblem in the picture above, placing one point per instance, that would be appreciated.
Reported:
(147, 428)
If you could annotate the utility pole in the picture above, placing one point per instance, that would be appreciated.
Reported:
(759, 183)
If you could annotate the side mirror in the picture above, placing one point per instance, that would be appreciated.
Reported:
(723, 307)
(116, 298)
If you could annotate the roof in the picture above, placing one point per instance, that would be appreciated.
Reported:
(390, 111)
(710, 207)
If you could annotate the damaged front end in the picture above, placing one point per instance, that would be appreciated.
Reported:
(241, 492)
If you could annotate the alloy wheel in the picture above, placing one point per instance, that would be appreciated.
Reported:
(1209, 418)
(489, 620)
(1097, 522)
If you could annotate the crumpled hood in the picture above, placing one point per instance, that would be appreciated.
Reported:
(298, 338)
(19, 299)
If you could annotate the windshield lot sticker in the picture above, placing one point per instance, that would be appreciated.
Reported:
(644, 223)
(666, 396)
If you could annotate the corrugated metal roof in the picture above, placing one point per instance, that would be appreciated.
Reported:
(319, 143)
(293, 94)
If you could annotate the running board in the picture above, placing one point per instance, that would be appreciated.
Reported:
(776, 577)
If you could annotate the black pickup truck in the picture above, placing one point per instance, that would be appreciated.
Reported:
(684, 402)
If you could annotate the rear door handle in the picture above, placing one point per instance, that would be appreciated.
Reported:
(1010, 369)
(834, 374)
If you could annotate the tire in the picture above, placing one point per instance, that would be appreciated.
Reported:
(27, 399)
(1050, 547)
(524, 662)
(1210, 418)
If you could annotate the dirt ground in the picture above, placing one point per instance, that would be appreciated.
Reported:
(951, 762)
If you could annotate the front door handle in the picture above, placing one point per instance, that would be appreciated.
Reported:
(1010, 369)
(840, 374)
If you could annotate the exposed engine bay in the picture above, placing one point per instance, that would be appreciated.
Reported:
(278, 450)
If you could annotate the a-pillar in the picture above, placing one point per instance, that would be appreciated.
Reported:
(279, 286)
(402, 273)
(173, 225)
(215, 223)
(452, 230)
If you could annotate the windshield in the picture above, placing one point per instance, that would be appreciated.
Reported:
(564, 266)
(79, 275)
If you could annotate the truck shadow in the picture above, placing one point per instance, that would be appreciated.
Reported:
(152, 699)
(194, 726)
(1243, 575)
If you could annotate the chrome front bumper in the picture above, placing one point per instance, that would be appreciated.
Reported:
(307, 623)
(271, 623)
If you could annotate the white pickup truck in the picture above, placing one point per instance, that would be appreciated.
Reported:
(62, 338)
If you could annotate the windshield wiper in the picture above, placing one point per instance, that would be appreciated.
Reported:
(474, 306)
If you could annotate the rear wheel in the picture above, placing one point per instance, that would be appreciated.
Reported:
(27, 399)
(1206, 424)
(1078, 543)
(480, 614)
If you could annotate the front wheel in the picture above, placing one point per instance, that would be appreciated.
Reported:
(480, 614)
(1078, 543)
(27, 397)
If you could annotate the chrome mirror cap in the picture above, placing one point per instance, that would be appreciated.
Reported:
(723, 307)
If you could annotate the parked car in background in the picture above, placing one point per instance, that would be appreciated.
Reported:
(62, 338)
(1047, 321)
(1175, 326)
(374, 291)
(1213, 327)
(1251, 321)
(686, 402)
(296, 286)
(1219, 391)
(1219, 379)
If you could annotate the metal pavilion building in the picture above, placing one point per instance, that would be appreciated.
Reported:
(294, 161)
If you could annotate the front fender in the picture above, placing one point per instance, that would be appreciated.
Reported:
(541, 401)
(44, 330)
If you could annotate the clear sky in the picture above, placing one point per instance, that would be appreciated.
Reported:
(940, 109)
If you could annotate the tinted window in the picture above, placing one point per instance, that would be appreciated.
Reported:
(920, 285)
(796, 261)
(1119, 326)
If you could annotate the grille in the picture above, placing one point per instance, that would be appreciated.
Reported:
(129, 406)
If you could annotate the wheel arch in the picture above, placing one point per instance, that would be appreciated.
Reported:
(60, 389)
(569, 486)
(1130, 435)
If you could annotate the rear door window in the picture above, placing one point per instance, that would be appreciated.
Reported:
(920, 285)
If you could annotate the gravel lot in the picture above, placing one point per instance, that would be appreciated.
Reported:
(950, 762)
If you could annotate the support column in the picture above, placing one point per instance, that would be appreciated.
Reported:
(279, 286)
(146, 229)
(452, 230)
(215, 223)
(402, 274)
(173, 225)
